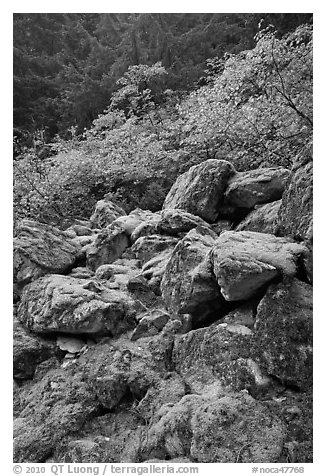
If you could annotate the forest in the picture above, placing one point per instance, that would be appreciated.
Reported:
(121, 104)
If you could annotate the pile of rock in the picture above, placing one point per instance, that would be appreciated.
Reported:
(194, 324)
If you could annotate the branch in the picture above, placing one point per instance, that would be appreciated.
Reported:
(284, 93)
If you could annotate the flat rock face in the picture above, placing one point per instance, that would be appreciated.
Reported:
(263, 219)
(283, 333)
(247, 189)
(62, 304)
(295, 216)
(108, 246)
(188, 285)
(203, 426)
(105, 213)
(40, 249)
(244, 261)
(200, 190)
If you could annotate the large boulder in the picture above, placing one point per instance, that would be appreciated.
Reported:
(40, 249)
(200, 190)
(108, 246)
(59, 404)
(28, 352)
(282, 342)
(61, 304)
(219, 354)
(244, 261)
(213, 428)
(262, 219)
(295, 216)
(247, 189)
(105, 213)
(188, 284)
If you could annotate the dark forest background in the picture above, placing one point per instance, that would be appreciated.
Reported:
(66, 65)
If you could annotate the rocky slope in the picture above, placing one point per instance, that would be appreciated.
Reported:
(182, 335)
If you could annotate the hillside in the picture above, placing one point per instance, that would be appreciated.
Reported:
(163, 273)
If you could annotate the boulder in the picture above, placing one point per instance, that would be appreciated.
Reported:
(200, 190)
(171, 222)
(176, 222)
(61, 304)
(282, 342)
(295, 216)
(262, 219)
(135, 218)
(188, 284)
(80, 230)
(59, 404)
(108, 246)
(150, 323)
(218, 354)
(247, 189)
(213, 428)
(105, 213)
(28, 352)
(244, 261)
(40, 249)
(154, 269)
(147, 247)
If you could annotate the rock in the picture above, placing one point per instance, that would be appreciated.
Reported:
(147, 247)
(40, 249)
(200, 190)
(176, 222)
(70, 344)
(150, 323)
(105, 213)
(295, 216)
(142, 290)
(82, 241)
(80, 230)
(247, 189)
(154, 269)
(262, 219)
(135, 218)
(28, 352)
(244, 261)
(61, 304)
(221, 225)
(217, 354)
(61, 403)
(282, 342)
(214, 428)
(244, 315)
(188, 284)
(81, 272)
(169, 391)
(108, 246)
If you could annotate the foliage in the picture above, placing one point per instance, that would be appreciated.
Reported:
(66, 65)
(254, 108)
(258, 107)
